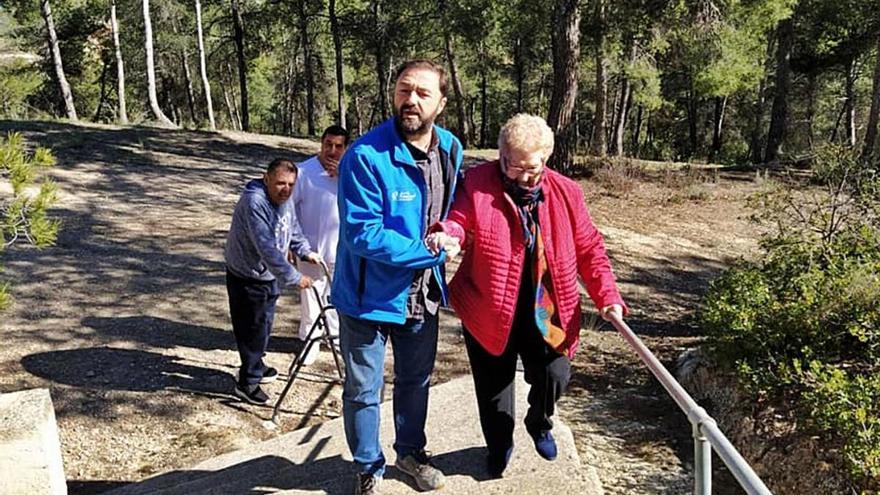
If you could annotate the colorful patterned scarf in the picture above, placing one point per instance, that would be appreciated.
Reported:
(546, 318)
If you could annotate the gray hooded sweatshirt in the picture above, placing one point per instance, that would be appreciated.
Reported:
(260, 236)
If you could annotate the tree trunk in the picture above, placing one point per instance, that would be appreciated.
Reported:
(358, 116)
(238, 35)
(290, 96)
(756, 146)
(379, 53)
(120, 70)
(337, 52)
(463, 130)
(849, 103)
(102, 92)
(63, 86)
(167, 98)
(693, 111)
(718, 124)
(519, 71)
(637, 133)
(229, 108)
(600, 143)
(203, 69)
(833, 137)
(565, 38)
(382, 80)
(623, 107)
(484, 107)
(811, 108)
(874, 115)
(308, 67)
(151, 70)
(287, 106)
(779, 113)
(236, 112)
(187, 79)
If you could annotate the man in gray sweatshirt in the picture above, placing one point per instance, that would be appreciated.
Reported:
(263, 234)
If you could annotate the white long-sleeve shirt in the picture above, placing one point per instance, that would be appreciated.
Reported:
(314, 198)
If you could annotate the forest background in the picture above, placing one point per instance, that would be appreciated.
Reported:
(729, 81)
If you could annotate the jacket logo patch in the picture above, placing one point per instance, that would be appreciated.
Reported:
(403, 196)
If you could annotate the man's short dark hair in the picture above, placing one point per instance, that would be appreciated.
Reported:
(336, 130)
(423, 63)
(282, 163)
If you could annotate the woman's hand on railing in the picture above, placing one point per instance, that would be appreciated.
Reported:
(612, 312)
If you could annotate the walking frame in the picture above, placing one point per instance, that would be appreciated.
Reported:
(318, 333)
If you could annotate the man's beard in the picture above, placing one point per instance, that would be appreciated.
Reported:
(414, 128)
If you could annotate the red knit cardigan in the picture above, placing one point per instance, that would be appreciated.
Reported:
(485, 221)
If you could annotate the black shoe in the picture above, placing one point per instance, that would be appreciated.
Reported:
(270, 374)
(496, 462)
(252, 394)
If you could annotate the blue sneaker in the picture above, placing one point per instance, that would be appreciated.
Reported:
(545, 444)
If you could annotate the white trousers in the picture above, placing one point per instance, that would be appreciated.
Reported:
(310, 308)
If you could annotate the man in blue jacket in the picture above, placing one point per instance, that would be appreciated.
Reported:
(394, 182)
(264, 232)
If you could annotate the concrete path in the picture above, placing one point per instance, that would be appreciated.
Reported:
(315, 460)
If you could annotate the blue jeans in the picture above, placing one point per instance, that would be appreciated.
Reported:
(363, 348)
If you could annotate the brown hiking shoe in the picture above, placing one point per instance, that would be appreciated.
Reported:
(418, 465)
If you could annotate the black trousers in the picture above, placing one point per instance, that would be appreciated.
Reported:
(252, 308)
(547, 371)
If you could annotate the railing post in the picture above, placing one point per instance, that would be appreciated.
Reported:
(706, 433)
(702, 463)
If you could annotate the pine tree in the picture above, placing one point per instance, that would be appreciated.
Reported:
(24, 217)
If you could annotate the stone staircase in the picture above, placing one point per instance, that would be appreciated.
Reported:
(315, 460)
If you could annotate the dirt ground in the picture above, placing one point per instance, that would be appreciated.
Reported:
(125, 320)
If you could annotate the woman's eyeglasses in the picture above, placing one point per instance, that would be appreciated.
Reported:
(518, 170)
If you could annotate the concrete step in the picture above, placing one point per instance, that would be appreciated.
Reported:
(316, 460)
(30, 453)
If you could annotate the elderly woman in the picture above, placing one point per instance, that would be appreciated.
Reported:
(527, 237)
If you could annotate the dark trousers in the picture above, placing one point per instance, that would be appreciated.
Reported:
(546, 370)
(252, 308)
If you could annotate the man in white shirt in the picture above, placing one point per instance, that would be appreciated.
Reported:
(315, 203)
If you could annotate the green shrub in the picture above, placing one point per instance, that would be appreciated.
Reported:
(847, 403)
(803, 321)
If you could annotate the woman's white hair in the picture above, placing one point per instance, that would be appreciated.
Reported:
(528, 133)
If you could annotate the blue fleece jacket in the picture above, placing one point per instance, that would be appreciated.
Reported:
(382, 203)
(260, 236)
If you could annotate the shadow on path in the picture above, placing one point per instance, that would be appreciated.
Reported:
(266, 474)
(165, 334)
(125, 369)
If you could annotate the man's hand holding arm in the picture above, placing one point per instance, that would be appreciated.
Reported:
(441, 241)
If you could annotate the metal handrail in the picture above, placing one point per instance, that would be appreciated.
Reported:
(707, 435)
